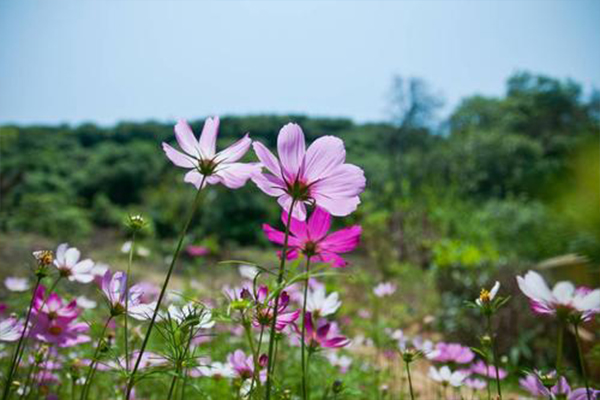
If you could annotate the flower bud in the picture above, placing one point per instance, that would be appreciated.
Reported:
(136, 222)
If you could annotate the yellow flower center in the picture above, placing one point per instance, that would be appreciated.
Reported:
(484, 296)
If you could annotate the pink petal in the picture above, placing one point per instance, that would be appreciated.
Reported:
(195, 178)
(338, 207)
(236, 151)
(208, 138)
(178, 158)
(299, 212)
(343, 241)
(267, 158)
(185, 138)
(278, 237)
(235, 175)
(270, 184)
(297, 228)
(319, 224)
(323, 155)
(335, 260)
(291, 148)
(345, 180)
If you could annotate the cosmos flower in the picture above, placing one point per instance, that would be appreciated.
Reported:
(54, 307)
(489, 371)
(476, 384)
(63, 333)
(533, 384)
(264, 311)
(86, 303)
(114, 287)
(317, 176)
(10, 329)
(564, 299)
(16, 284)
(446, 377)
(342, 362)
(202, 160)
(214, 369)
(384, 289)
(69, 266)
(202, 317)
(242, 365)
(488, 296)
(320, 304)
(451, 352)
(324, 335)
(312, 238)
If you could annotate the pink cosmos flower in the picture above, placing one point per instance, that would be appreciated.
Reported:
(451, 352)
(480, 368)
(318, 175)
(564, 298)
(68, 264)
(202, 160)
(532, 384)
(197, 251)
(54, 308)
(60, 332)
(114, 287)
(264, 312)
(312, 239)
(384, 289)
(10, 329)
(476, 384)
(244, 365)
(323, 335)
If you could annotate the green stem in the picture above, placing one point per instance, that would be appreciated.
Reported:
(131, 381)
(582, 362)
(302, 337)
(13, 364)
(412, 395)
(487, 377)
(273, 331)
(94, 362)
(126, 327)
(180, 362)
(494, 354)
(255, 355)
(308, 374)
(559, 348)
(256, 376)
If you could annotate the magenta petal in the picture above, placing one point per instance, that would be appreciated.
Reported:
(185, 138)
(319, 224)
(291, 148)
(335, 260)
(208, 138)
(343, 241)
(323, 155)
(178, 158)
(323, 330)
(273, 234)
(297, 228)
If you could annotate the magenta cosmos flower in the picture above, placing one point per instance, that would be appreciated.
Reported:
(318, 175)
(323, 335)
(564, 299)
(312, 238)
(202, 160)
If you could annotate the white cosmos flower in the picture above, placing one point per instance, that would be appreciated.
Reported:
(491, 294)
(204, 315)
(16, 284)
(318, 302)
(68, 264)
(216, 369)
(564, 296)
(10, 329)
(445, 376)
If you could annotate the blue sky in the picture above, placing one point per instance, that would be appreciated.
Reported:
(75, 61)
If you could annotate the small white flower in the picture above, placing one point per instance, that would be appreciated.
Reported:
(15, 284)
(216, 369)
(68, 264)
(318, 302)
(488, 296)
(384, 289)
(86, 303)
(445, 376)
(191, 309)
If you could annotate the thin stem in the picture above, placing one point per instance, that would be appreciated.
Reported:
(173, 383)
(302, 337)
(412, 396)
(13, 364)
(94, 362)
(126, 328)
(308, 374)
(487, 376)
(493, 344)
(256, 375)
(131, 381)
(559, 348)
(273, 331)
(582, 362)
(180, 363)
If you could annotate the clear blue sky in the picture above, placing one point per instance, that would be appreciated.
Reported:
(74, 61)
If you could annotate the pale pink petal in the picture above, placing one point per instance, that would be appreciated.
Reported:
(60, 252)
(267, 158)
(338, 207)
(236, 175)
(178, 158)
(345, 180)
(270, 184)
(322, 156)
(72, 256)
(195, 178)
(185, 138)
(291, 148)
(208, 138)
(319, 224)
(343, 241)
(234, 152)
(299, 212)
